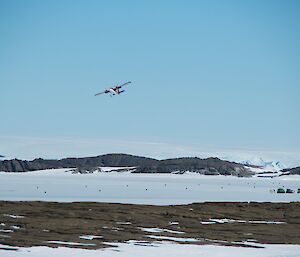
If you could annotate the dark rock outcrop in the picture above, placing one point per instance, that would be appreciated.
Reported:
(292, 171)
(111, 160)
(209, 166)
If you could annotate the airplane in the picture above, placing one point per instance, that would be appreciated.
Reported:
(114, 90)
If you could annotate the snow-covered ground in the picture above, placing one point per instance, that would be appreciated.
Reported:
(159, 189)
(267, 172)
(269, 165)
(164, 249)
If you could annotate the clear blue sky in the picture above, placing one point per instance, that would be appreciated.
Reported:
(206, 75)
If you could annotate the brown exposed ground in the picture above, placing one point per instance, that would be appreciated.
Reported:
(35, 223)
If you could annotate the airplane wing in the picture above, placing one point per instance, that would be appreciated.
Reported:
(118, 87)
(104, 92)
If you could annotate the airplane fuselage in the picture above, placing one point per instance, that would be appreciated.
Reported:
(113, 91)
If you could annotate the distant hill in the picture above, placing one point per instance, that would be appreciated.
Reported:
(209, 166)
(292, 171)
(110, 160)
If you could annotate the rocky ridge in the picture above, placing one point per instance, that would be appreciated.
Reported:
(292, 171)
(209, 166)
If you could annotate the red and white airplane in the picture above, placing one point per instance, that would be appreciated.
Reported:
(114, 90)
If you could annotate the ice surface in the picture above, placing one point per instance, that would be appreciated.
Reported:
(152, 230)
(164, 249)
(62, 186)
(89, 237)
(15, 227)
(69, 243)
(265, 222)
(226, 220)
(222, 221)
(207, 222)
(175, 239)
(6, 231)
(161, 230)
(123, 223)
(268, 165)
(14, 216)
